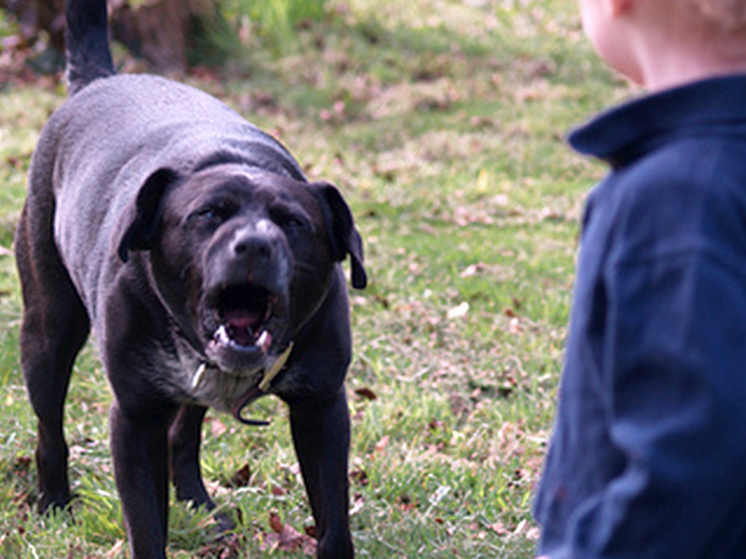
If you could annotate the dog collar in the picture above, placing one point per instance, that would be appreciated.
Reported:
(259, 389)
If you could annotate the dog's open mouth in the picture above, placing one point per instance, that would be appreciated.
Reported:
(245, 323)
(244, 314)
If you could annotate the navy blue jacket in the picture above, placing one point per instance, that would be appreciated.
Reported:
(648, 456)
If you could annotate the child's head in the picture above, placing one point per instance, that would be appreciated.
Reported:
(661, 43)
(724, 15)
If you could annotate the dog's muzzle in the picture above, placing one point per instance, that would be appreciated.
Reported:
(244, 314)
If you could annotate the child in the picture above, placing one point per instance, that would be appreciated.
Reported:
(648, 457)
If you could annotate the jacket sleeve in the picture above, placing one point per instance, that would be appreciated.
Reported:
(675, 374)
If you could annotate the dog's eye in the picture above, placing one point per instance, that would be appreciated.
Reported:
(289, 220)
(295, 222)
(212, 214)
(207, 213)
(206, 216)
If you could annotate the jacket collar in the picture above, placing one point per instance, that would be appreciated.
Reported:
(627, 132)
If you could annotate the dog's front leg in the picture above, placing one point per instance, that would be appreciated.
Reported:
(139, 450)
(185, 437)
(321, 433)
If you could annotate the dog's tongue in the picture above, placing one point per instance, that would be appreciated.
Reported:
(241, 324)
(241, 318)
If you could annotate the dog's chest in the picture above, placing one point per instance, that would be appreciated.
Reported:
(192, 380)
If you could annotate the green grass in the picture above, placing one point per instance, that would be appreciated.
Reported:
(442, 123)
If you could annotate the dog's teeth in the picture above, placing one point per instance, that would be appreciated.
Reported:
(264, 341)
(222, 336)
(261, 339)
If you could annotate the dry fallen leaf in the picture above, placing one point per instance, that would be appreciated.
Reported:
(359, 477)
(227, 547)
(382, 444)
(275, 522)
(499, 528)
(116, 549)
(241, 477)
(286, 538)
(365, 393)
(217, 427)
(357, 504)
(473, 270)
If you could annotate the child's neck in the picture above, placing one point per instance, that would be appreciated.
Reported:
(672, 48)
(676, 67)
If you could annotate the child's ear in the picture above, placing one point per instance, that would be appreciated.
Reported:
(617, 8)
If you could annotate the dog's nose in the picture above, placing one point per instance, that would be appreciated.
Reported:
(252, 246)
(255, 254)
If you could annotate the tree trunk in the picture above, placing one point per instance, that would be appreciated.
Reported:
(159, 30)
(156, 30)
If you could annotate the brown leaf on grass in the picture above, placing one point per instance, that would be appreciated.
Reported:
(217, 427)
(408, 97)
(227, 547)
(383, 301)
(406, 503)
(358, 501)
(116, 549)
(548, 214)
(382, 444)
(241, 477)
(458, 404)
(275, 522)
(205, 73)
(464, 216)
(435, 424)
(311, 531)
(473, 270)
(286, 538)
(22, 463)
(499, 528)
(365, 393)
(359, 477)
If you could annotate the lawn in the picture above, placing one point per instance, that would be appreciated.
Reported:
(443, 124)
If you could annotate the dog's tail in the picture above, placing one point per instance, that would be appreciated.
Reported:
(87, 43)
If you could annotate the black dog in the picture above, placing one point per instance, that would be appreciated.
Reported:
(209, 270)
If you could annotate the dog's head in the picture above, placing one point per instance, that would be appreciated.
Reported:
(241, 257)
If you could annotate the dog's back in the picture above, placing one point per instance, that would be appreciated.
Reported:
(104, 142)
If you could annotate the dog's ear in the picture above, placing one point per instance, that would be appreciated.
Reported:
(343, 236)
(146, 214)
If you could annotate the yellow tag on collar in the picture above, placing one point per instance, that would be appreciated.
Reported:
(199, 376)
(275, 369)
